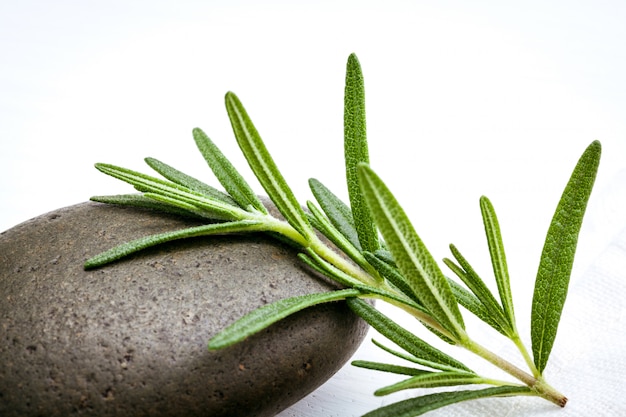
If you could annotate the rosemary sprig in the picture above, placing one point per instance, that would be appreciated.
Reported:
(382, 257)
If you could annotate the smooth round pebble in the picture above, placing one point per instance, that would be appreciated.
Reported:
(130, 338)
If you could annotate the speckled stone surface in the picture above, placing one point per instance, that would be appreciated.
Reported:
(130, 339)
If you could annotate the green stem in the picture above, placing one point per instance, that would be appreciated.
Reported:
(529, 361)
(536, 382)
(344, 264)
(538, 385)
(283, 228)
(423, 318)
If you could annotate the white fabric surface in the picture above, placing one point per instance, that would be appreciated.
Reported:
(588, 361)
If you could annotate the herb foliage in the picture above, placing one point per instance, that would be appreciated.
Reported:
(382, 257)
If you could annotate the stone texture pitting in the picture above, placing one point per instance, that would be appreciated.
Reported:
(130, 339)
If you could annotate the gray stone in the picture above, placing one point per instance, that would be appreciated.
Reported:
(130, 339)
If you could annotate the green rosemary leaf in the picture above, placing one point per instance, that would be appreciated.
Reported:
(415, 359)
(140, 200)
(414, 261)
(393, 297)
(321, 223)
(128, 248)
(468, 275)
(385, 367)
(498, 258)
(227, 174)
(558, 253)
(373, 291)
(269, 314)
(185, 180)
(403, 338)
(392, 274)
(338, 213)
(142, 181)
(146, 183)
(265, 168)
(331, 271)
(313, 264)
(173, 202)
(356, 152)
(386, 256)
(473, 305)
(432, 380)
(420, 405)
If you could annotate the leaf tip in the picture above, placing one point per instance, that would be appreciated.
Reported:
(230, 96)
(353, 59)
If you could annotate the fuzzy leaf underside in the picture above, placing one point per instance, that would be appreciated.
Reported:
(412, 358)
(269, 314)
(477, 286)
(405, 339)
(498, 258)
(558, 253)
(322, 224)
(227, 174)
(190, 182)
(264, 167)
(391, 274)
(420, 405)
(410, 254)
(136, 245)
(173, 193)
(141, 201)
(475, 306)
(336, 210)
(386, 367)
(432, 380)
(356, 152)
(325, 268)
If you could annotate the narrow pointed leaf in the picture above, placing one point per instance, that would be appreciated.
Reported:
(314, 264)
(331, 271)
(321, 223)
(226, 173)
(498, 258)
(415, 359)
(265, 168)
(558, 253)
(403, 338)
(420, 405)
(410, 254)
(468, 275)
(338, 213)
(432, 380)
(375, 292)
(385, 367)
(369, 291)
(146, 183)
(136, 245)
(170, 201)
(185, 180)
(386, 256)
(392, 274)
(140, 200)
(269, 314)
(356, 152)
(473, 305)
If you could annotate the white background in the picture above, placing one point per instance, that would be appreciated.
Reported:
(463, 99)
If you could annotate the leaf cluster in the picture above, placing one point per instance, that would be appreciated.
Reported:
(381, 256)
